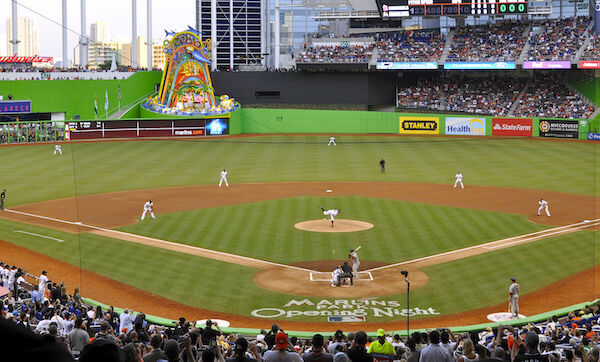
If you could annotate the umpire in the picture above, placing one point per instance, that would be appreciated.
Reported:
(346, 273)
(2, 196)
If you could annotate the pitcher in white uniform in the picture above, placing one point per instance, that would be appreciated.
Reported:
(459, 178)
(543, 205)
(148, 208)
(223, 178)
(332, 213)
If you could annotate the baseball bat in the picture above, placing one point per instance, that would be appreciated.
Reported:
(360, 246)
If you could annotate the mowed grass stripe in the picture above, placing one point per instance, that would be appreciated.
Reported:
(403, 230)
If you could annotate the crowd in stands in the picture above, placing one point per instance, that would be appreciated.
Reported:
(592, 51)
(547, 98)
(337, 54)
(558, 39)
(43, 322)
(493, 96)
(502, 41)
(410, 46)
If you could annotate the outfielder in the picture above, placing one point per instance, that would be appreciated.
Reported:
(331, 213)
(2, 197)
(459, 178)
(58, 149)
(148, 208)
(513, 298)
(331, 140)
(543, 205)
(223, 178)
(355, 261)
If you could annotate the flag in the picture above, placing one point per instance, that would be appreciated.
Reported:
(96, 105)
(106, 100)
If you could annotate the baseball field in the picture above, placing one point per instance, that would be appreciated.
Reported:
(235, 254)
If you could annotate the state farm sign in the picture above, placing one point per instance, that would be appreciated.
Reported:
(512, 127)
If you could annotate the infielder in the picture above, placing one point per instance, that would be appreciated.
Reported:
(148, 208)
(513, 298)
(58, 149)
(2, 197)
(459, 178)
(382, 165)
(355, 262)
(331, 213)
(331, 140)
(223, 178)
(543, 205)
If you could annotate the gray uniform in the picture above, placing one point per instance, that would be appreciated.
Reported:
(513, 290)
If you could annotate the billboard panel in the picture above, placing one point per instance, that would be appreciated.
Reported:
(559, 128)
(465, 126)
(419, 125)
(7, 107)
(561, 64)
(512, 127)
(480, 65)
(407, 65)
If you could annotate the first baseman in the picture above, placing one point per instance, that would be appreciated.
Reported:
(459, 178)
(355, 262)
(58, 149)
(331, 140)
(148, 208)
(543, 205)
(223, 178)
(331, 213)
(513, 298)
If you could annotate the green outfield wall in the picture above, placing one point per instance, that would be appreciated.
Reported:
(76, 97)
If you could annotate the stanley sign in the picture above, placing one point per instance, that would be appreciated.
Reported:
(419, 125)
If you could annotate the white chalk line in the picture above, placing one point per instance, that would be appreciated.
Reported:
(317, 276)
(159, 241)
(522, 239)
(38, 235)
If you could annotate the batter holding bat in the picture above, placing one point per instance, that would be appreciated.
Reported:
(353, 256)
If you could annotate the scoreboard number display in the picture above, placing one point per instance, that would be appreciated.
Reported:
(406, 8)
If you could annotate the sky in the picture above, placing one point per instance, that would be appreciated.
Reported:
(166, 14)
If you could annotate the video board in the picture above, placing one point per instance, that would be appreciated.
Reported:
(405, 8)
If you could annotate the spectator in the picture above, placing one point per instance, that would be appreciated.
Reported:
(532, 353)
(316, 353)
(381, 345)
(156, 353)
(78, 338)
(239, 350)
(126, 321)
(281, 354)
(468, 353)
(209, 335)
(358, 351)
(434, 352)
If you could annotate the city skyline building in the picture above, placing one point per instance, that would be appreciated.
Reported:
(27, 34)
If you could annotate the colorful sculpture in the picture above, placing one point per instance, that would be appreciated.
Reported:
(186, 87)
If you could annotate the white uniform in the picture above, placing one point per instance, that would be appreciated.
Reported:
(355, 263)
(459, 178)
(42, 281)
(57, 149)
(148, 208)
(331, 140)
(543, 205)
(513, 291)
(332, 213)
(334, 276)
(223, 178)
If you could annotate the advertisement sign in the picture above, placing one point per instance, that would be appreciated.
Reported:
(512, 127)
(27, 59)
(559, 128)
(561, 64)
(7, 107)
(407, 65)
(346, 319)
(589, 64)
(419, 125)
(480, 65)
(594, 136)
(217, 126)
(465, 126)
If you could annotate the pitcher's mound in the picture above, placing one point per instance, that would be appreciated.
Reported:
(339, 226)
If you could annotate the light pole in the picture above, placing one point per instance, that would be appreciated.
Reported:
(405, 273)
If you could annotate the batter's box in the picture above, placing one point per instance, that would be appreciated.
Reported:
(326, 276)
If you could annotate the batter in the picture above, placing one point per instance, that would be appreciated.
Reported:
(355, 262)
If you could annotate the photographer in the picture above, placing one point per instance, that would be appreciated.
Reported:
(239, 352)
(209, 335)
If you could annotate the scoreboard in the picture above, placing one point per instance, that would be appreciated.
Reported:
(406, 8)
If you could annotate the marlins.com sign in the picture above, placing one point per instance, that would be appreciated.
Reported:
(465, 126)
(419, 125)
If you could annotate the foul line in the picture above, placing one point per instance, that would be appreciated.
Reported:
(522, 239)
(41, 236)
(159, 241)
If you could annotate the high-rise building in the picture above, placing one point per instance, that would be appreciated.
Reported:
(246, 31)
(3, 48)
(27, 35)
(158, 56)
(142, 56)
(99, 32)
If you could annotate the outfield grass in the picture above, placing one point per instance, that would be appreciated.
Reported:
(32, 174)
(456, 286)
(265, 230)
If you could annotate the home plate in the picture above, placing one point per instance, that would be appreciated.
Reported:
(328, 190)
(220, 322)
(503, 316)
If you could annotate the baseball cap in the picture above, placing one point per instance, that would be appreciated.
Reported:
(380, 332)
(513, 279)
(281, 340)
